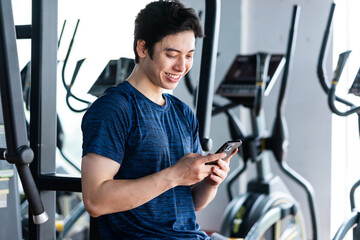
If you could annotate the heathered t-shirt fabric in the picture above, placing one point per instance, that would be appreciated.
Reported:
(144, 138)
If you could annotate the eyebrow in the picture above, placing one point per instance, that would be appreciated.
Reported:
(176, 50)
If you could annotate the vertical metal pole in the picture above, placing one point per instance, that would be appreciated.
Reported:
(43, 105)
(207, 72)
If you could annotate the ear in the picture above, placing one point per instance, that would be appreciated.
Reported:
(141, 48)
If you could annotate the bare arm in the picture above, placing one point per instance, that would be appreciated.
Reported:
(102, 194)
(204, 192)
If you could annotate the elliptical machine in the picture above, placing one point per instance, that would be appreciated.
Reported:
(353, 221)
(267, 210)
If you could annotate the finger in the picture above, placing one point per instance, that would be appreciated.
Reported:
(232, 154)
(224, 165)
(220, 173)
(212, 157)
(217, 180)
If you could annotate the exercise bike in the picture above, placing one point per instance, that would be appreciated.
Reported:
(353, 221)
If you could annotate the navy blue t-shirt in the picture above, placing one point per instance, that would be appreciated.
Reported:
(144, 138)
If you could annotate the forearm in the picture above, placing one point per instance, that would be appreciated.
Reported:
(122, 195)
(102, 194)
(203, 194)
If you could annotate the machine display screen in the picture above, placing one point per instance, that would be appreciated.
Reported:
(243, 69)
(240, 80)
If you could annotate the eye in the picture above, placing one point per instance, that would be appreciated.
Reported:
(171, 56)
(189, 56)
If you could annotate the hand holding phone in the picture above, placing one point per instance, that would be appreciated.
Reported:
(228, 148)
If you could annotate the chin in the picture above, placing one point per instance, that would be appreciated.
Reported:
(171, 86)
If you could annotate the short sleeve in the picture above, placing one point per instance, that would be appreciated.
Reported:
(105, 128)
(194, 125)
(196, 140)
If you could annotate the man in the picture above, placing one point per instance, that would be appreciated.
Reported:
(143, 174)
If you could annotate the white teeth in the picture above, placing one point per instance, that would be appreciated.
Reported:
(173, 76)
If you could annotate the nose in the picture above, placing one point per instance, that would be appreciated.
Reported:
(180, 65)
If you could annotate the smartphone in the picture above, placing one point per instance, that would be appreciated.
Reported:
(228, 148)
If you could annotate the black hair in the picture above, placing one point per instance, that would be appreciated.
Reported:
(162, 18)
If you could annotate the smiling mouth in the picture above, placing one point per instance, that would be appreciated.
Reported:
(173, 76)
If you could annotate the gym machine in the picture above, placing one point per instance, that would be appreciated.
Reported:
(39, 179)
(353, 221)
(115, 72)
(267, 210)
(17, 150)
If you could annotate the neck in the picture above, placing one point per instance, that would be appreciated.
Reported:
(141, 82)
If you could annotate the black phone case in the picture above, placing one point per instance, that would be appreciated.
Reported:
(228, 148)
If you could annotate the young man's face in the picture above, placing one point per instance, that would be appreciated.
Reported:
(172, 59)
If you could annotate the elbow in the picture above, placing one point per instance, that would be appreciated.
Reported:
(92, 208)
(199, 208)
(93, 213)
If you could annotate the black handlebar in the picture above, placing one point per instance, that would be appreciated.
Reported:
(330, 91)
(289, 55)
(323, 49)
(17, 151)
(321, 60)
(332, 98)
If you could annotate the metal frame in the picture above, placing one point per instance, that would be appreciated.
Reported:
(17, 151)
(43, 104)
(204, 102)
(42, 113)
